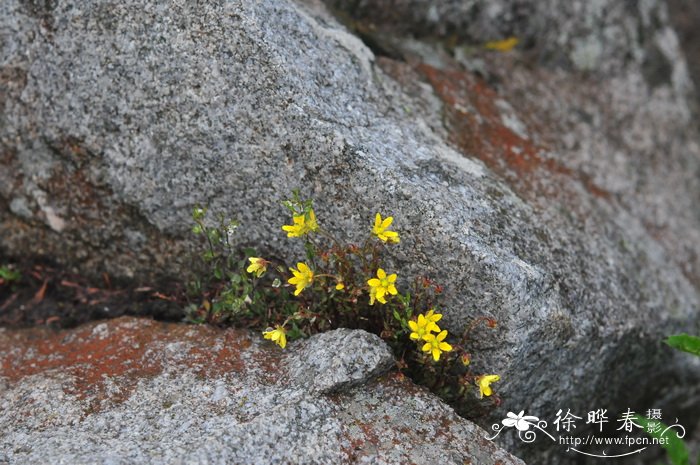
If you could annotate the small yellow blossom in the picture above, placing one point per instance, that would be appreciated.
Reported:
(303, 224)
(340, 286)
(380, 286)
(466, 359)
(421, 328)
(381, 227)
(504, 45)
(433, 317)
(302, 277)
(277, 335)
(258, 266)
(434, 344)
(484, 383)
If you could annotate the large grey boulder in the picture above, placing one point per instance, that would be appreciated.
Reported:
(131, 391)
(561, 203)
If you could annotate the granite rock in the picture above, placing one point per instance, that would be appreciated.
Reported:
(560, 200)
(131, 391)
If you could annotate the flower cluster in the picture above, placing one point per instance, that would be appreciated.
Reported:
(424, 329)
(336, 285)
(303, 224)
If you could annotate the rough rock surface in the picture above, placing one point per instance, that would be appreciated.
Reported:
(603, 36)
(561, 200)
(131, 391)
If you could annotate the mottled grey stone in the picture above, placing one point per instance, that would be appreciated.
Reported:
(251, 414)
(601, 36)
(319, 368)
(563, 203)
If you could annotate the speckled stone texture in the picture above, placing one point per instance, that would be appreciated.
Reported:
(558, 196)
(133, 391)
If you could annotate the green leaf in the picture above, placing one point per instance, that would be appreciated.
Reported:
(685, 342)
(198, 213)
(214, 235)
(218, 273)
(9, 275)
(310, 250)
(675, 447)
(289, 205)
(397, 316)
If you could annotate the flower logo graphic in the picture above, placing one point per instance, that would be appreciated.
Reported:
(520, 421)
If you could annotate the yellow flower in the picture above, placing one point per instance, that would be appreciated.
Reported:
(433, 317)
(257, 265)
(302, 277)
(484, 383)
(421, 328)
(380, 286)
(340, 286)
(435, 344)
(303, 224)
(277, 335)
(504, 45)
(380, 229)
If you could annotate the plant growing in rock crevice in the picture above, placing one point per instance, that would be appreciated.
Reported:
(335, 285)
(676, 449)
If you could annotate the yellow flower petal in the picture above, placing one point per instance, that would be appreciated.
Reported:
(484, 383)
(504, 45)
(445, 347)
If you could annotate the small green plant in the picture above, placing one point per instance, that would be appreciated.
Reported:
(335, 285)
(686, 343)
(676, 449)
(8, 274)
